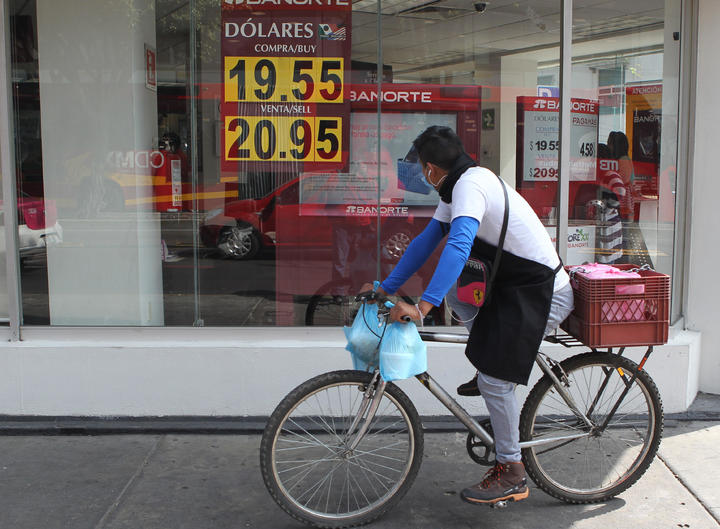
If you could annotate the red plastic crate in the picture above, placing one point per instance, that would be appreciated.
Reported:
(606, 315)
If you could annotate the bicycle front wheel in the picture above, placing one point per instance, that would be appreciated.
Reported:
(617, 449)
(310, 467)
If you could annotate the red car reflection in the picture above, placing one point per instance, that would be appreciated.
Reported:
(37, 226)
(243, 227)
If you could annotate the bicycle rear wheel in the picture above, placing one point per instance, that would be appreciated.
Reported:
(333, 306)
(306, 460)
(610, 459)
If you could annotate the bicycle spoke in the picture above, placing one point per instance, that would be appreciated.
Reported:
(372, 472)
(317, 485)
(305, 464)
(375, 454)
(309, 435)
(302, 475)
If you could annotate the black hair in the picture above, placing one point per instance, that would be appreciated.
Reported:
(603, 151)
(439, 145)
(618, 143)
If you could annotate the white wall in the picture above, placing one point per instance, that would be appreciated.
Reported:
(703, 288)
(93, 103)
(215, 372)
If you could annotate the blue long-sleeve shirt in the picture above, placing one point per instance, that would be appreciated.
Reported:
(457, 250)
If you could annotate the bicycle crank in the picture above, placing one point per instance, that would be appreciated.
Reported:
(477, 450)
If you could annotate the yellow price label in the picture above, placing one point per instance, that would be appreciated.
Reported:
(284, 79)
(283, 139)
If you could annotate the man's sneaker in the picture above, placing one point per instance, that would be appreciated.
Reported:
(504, 481)
(469, 389)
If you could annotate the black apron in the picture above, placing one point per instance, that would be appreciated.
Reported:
(507, 332)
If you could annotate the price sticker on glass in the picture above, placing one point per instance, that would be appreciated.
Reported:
(284, 79)
(540, 138)
(281, 138)
(284, 106)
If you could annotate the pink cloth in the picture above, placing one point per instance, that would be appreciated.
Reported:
(603, 271)
(618, 310)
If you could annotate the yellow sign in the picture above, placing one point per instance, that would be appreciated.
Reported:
(283, 138)
(284, 79)
(478, 295)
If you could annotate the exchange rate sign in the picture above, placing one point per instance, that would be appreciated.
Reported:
(538, 143)
(284, 105)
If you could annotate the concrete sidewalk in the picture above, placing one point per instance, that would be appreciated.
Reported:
(213, 481)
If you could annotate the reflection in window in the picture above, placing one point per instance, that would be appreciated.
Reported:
(269, 190)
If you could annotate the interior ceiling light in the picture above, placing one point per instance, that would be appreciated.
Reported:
(436, 10)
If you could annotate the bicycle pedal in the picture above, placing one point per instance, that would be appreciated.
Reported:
(502, 504)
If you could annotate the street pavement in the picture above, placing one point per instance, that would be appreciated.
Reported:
(198, 481)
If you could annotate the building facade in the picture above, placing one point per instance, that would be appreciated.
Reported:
(200, 186)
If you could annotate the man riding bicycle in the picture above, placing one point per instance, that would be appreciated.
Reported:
(530, 296)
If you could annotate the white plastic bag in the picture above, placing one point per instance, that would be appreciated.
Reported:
(364, 337)
(403, 354)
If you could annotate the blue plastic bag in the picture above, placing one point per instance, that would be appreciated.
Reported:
(364, 337)
(403, 354)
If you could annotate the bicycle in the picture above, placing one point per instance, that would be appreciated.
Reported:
(344, 447)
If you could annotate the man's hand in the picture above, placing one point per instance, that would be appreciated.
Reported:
(405, 310)
(368, 287)
(415, 312)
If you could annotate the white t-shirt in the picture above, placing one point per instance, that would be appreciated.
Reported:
(478, 194)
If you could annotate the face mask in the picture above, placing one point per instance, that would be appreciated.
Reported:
(438, 184)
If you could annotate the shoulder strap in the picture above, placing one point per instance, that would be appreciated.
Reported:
(503, 232)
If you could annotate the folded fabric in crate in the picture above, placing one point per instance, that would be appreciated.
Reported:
(604, 271)
(623, 310)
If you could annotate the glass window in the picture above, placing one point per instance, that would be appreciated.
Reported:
(4, 313)
(624, 133)
(249, 163)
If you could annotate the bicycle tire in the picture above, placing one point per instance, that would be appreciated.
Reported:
(596, 468)
(328, 308)
(399, 434)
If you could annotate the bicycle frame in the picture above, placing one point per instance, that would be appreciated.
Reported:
(471, 424)
(463, 416)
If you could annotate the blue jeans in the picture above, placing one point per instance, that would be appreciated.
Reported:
(499, 394)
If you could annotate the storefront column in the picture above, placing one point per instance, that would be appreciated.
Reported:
(99, 125)
(9, 284)
(703, 289)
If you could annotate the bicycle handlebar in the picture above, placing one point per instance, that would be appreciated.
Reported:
(372, 295)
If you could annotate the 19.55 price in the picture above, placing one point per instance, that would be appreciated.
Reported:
(284, 79)
(283, 139)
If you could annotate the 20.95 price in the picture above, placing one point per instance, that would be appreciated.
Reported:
(283, 139)
(284, 79)
(543, 172)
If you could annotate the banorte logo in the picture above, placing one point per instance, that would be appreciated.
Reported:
(546, 104)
